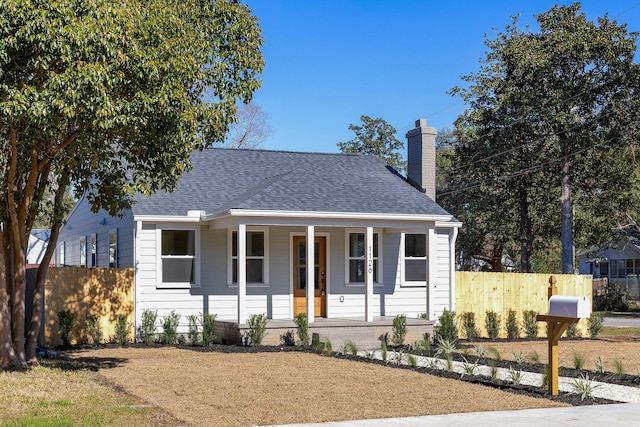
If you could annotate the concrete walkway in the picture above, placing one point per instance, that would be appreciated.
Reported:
(618, 415)
(624, 414)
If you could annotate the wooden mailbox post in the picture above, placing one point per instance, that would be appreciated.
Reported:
(556, 325)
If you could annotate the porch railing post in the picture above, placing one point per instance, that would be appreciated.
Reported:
(368, 256)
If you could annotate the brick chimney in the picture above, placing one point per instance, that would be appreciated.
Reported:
(421, 158)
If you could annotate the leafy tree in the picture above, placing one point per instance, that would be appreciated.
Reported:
(111, 98)
(544, 110)
(375, 137)
(250, 128)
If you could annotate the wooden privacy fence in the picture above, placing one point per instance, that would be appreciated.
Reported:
(105, 292)
(478, 292)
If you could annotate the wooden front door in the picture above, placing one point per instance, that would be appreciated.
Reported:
(300, 275)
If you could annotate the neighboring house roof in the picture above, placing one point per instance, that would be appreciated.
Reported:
(38, 241)
(621, 239)
(224, 179)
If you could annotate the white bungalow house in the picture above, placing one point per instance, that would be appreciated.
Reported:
(237, 234)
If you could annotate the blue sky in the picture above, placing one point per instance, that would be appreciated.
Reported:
(328, 61)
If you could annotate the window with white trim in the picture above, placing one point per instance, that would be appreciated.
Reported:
(355, 265)
(93, 248)
(178, 257)
(113, 248)
(83, 251)
(61, 254)
(415, 258)
(257, 271)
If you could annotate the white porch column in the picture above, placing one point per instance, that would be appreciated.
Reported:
(311, 285)
(453, 234)
(242, 273)
(431, 272)
(368, 282)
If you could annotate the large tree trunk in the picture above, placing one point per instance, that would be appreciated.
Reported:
(8, 357)
(18, 309)
(566, 216)
(526, 234)
(496, 256)
(38, 293)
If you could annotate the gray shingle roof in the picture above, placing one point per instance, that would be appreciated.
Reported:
(223, 179)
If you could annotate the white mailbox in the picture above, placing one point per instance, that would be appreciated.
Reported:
(565, 306)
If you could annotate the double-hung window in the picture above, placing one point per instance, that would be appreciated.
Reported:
(83, 251)
(178, 257)
(113, 248)
(355, 268)
(256, 257)
(415, 259)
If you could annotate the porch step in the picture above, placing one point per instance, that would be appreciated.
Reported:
(365, 335)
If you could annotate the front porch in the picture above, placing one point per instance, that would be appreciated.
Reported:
(337, 330)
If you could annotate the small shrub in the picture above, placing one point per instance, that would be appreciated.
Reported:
(148, 326)
(349, 348)
(93, 329)
(469, 325)
(383, 350)
(194, 332)
(578, 360)
(208, 322)
(519, 357)
(399, 329)
(595, 323)
(446, 329)
(530, 324)
(413, 361)
(534, 357)
(66, 322)
(288, 338)
(495, 353)
(515, 375)
(122, 330)
(513, 329)
(480, 351)
(619, 367)
(433, 363)
(492, 324)
(493, 370)
(615, 299)
(420, 346)
(328, 348)
(573, 331)
(384, 338)
(302, 327)
(446, 347)
(599, 365)
(468, 368)
(169, 333)
(583, 386)
(257, 328)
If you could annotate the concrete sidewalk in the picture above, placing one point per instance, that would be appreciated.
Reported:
(623, 414)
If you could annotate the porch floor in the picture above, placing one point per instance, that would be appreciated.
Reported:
(336, 330)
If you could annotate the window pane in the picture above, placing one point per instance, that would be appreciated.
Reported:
(255, 243)
(415, 245)
(178, 270)
(356, 270)
(254, 270)
(415, 270)
(302, 253)
(234, 243)
(93, 250)
(113, 249)
(375, 245)
(375, 271)
(178, 242)
(234, 272)
(356, 245)
(83, 251)
(302, 278)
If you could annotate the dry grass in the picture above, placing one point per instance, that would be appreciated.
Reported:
(47, 396)
(274, 388)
